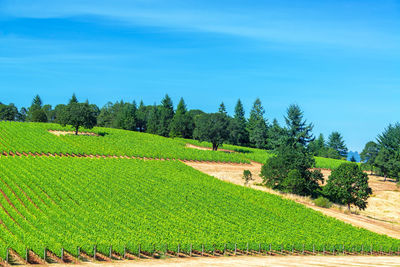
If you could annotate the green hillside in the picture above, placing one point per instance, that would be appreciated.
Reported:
(34, 137)
(59, 203)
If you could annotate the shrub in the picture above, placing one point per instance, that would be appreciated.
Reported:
(247, 176)
(323, 202)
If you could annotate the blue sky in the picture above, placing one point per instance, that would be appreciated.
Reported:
(338, 60)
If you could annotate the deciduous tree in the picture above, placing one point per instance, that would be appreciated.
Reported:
(212, 128)
(348, 184)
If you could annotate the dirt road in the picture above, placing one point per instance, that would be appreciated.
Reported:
(259, 261)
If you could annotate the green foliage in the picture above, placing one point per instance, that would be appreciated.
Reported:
(119, 115)
(166, 115)
(38, 115)
(70, 202)
(276, 135)
(388, 159)
(212, 128)
(237, 128)
(77, 115)
(247, 176)
(35, 112)
(257, 126)
(322, 202)
(348, 184)
(153, 120)
(369, 154)
(299, 132)
(336, 142)
(8, 112)
(182, 125)
(290, 171)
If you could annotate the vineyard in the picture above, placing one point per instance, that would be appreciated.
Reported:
(18, 137)
(117, 206)
(64, 203)
(261, 155)
(35, 137)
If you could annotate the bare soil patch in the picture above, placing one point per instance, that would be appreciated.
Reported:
(58, 133)
(209, 148)
(260, 261)
(382, 215)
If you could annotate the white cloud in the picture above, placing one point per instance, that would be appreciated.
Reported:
(282, 24)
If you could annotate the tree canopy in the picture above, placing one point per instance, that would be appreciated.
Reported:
(213, 128)
(77, 115)
(336, 142)
(348, 184)
(299, 132)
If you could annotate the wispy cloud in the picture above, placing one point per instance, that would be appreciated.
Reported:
(281, 23)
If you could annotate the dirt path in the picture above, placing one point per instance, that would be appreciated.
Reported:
(209, 148)
(260, 261)
(58, 133)
(233, 174)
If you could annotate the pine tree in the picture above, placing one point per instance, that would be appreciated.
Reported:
(73, 99)
(299, 132)
(166, 115)
(141, 117)
(154, 120)
(182, 124)
(257, 125)
(276, 135)
(336, 142)
(222, 108)
(238, 131)
(35, 112)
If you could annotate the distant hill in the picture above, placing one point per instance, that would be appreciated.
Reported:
(355, 154)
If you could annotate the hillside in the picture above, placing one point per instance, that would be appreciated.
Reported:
(36, 137)
(68, 202)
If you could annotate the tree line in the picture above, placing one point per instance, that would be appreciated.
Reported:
(162, 119)
(383, 156)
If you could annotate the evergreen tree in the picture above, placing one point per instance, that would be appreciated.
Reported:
(289, 170)
(257, 125)
(73, 99)
(276, 135)
(299, 132)
(237, 128)
(182, 124)
(166, 115)
(153, 121)
(336, 142)
(35, 111)
(222, 108)
(369, 154)
(141, 117)
(387, 163)
(317, 146)
(388, 158)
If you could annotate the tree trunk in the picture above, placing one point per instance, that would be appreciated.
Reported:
(76, 130)
(348, 207)
(215, 147)
(385, 178)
